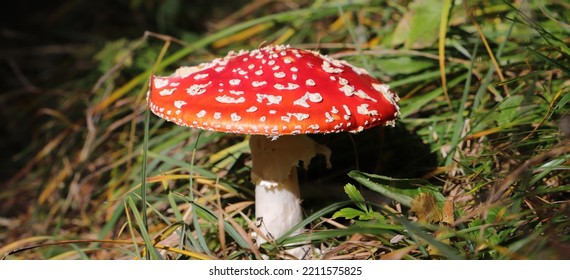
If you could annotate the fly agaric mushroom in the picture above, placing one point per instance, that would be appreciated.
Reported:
(276, 94)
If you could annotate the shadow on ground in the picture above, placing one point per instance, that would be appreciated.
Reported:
(389, 151)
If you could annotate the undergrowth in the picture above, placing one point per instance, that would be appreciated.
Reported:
(476, 168)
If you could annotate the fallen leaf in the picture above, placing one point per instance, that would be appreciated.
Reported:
(426, 208)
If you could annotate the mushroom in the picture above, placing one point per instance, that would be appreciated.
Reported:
(277, 94)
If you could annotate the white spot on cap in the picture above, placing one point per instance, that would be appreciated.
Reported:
(314, 127)
(360, 71)
(197, 89)
(165, 92)
(251, 109)
(259, 72)
(302, 101)
(385, 90)
(299, 116)
(327, 67)
(360, 93)
(273, 112)
(279, 74)
(310, 82)
(363, 110)
(347, 89)
(229, 99)
(179, 103)
(158, 83)
(346, 110)
(235, 82)
(236, 92)
(217, 115)
(290, 86)
(258, 83)
(329, 117)
(294, 69)
(313, 97)
(201, 76)
(262, 119)
(235, 117)
(271, 99)
(201, 114)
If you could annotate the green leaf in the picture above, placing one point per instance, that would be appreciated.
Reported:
(420, 25)
(401, 190)
(415, 104)
(355, 196)
(443, 249)
(504, 115)
(403, 65)
(348, 213)
(114, 52)
(509, 110)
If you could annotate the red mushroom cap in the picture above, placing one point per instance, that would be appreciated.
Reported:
(275, 90)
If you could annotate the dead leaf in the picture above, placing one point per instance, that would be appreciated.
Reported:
(448, 208)
(426, 208)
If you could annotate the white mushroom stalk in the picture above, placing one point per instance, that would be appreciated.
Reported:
(274, 173)
(275, 93)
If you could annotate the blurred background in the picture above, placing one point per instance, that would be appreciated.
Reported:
(482, 96)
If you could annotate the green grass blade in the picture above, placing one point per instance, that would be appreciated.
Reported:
(211, 217)
(459, 123)
(151, 251)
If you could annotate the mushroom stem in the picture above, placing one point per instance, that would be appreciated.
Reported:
(277, 194)
(278, 206)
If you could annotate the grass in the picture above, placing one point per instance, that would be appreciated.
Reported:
(477, 168)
